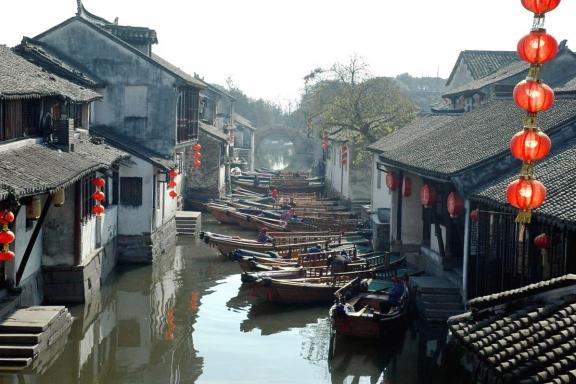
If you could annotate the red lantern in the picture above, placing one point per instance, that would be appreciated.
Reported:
(406, 187)
(537, 47)
(540, 6)
(98, 196)
(173, 194)
(391, 180)
(543, 241)
(526, 194)
(99, 182)
(427, 196)
(6, 255)
(197, 155)
(533, 96)
(454, 204)
(7, 237)
(475, 215)
(197, 147)
(6, 217)
(197, 163)
(98, 210)
(171, 184)
(173, 173)
(530, 145)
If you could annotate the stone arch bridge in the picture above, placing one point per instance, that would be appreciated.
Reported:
(279, 146)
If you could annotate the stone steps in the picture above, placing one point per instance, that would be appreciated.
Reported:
(14, 364)
(187, 223)
(19, 338)
(28, 334)
(436, 298)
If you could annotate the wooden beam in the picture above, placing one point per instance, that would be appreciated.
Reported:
(33, 239)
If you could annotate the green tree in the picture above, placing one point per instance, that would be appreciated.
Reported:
(348, 98)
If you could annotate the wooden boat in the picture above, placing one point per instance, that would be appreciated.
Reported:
(228, 244)
(367, 314)
(263, 187)
(231, 216)
(255, 269)
(300, 291)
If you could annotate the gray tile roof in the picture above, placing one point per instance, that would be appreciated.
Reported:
(470, 139)
(20, 79)
(483, 63)
(558, 173)
(503, 73)
(569, 87)
(420, 126)
(129, 145)
(527, 341)
(343, 135)
(213, 131)
(36, 52)
(178, 72)
(243, 121)
(38, 168)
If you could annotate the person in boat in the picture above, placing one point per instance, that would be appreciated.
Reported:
(275, 193)
(312, 250)
(394, 295)
(287, 215)
(292, 202)
(263, 236)
(338, 263)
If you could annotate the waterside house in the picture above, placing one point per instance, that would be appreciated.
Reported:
(149, 108)
(438, 163)
(49, 162)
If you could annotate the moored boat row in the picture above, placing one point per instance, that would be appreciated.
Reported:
(313, 253)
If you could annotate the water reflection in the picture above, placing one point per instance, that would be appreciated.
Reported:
(188, 319)
(275, 152)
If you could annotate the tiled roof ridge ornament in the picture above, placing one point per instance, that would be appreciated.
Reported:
(534, 96)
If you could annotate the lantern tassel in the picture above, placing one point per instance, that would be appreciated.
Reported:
(524, 216)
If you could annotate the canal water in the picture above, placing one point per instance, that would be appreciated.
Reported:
(188, 319)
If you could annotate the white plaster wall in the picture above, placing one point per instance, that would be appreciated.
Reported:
(109, 230)
(434, 241)
(60, 224)
(137, 220)
(412, 213)
(461, 76)
(380, 197)
(19, 246)
(167, 204)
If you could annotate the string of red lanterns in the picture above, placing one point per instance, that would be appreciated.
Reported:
(7, 237)
(98, 196)
(197, 155)
(534, 96)
(172, 184)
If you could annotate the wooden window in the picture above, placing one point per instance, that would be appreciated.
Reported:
(20, 118)
(131, 191)
(74, 111)
(115, 186)
(86, 190)
(187, 115)
(379, 179)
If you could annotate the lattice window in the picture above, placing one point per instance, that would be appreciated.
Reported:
(131, 191)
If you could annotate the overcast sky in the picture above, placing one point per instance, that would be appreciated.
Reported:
(268, 46)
